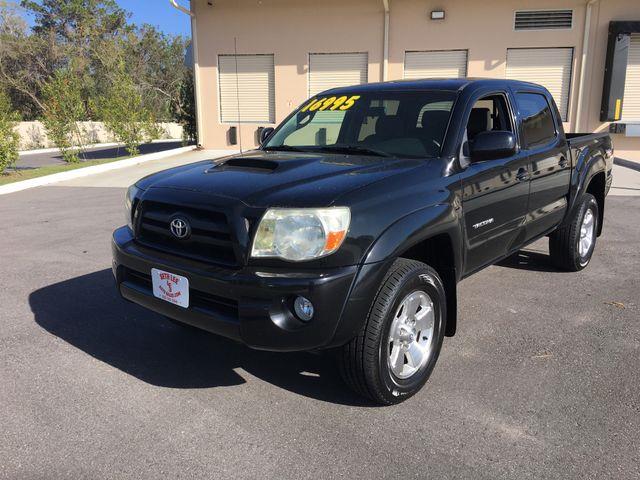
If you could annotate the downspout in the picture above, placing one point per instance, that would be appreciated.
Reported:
(583, 62)
(385, 44)
(196, 66)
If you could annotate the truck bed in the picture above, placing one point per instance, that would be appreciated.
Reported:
(577, 140)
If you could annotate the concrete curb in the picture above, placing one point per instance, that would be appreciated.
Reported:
(90, 146)
(83, 172)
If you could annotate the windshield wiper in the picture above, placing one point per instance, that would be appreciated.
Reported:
(283, 148)
(349, 149)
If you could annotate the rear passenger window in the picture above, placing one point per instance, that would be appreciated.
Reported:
(537, 120)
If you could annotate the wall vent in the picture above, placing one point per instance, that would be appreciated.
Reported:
(543, 19)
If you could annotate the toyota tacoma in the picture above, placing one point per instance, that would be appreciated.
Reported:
(350, 226)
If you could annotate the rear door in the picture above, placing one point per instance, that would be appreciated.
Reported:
(544, 142)
(495, 192)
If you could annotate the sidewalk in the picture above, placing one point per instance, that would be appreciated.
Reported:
(626, 178)
(124, 177)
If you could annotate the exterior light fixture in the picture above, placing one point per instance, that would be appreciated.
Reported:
(437, 15)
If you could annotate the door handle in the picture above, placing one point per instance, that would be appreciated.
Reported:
(522, 175)
(563, 163)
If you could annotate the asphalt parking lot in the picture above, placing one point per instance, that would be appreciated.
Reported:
(541, 381)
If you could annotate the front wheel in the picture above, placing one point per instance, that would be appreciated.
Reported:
(571, 246)
(396, 350)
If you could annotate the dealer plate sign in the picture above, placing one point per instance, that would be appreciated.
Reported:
(170, 287)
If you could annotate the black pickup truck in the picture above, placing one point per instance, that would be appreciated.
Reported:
(350, 227)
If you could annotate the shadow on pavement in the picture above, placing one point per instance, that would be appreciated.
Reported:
(529, 260)
(88, 313)
(120, 151)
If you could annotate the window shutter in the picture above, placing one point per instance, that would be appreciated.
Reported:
(549, 67)
(252, 94)
(631, 99)
(436, 64)
(331, 70)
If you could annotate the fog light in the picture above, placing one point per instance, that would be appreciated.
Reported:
(303, 308)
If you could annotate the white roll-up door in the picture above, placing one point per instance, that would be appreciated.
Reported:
(631, 101)
(247, 91)
(331, 70)
(549, 67)
(435, 64)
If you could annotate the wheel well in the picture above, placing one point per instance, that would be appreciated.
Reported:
(596, 187)
(437, 252)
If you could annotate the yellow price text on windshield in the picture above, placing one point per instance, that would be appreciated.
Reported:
(330, 103)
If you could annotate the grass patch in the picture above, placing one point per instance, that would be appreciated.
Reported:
(19, 175)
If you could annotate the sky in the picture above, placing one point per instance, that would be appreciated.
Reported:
(159, 13)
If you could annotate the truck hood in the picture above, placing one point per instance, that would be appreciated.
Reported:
(292, 179)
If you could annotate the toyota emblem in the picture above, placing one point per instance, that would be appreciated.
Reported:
(180, 228)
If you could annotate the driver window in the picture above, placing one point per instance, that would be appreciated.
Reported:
(377, 109)
(488, 114)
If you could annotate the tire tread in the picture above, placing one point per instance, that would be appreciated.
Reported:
(358, 358)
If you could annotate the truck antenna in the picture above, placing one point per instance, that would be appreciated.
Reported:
(235, 56)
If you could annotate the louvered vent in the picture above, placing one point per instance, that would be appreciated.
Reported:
(543, 19)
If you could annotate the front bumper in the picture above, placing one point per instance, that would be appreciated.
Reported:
(252, 305)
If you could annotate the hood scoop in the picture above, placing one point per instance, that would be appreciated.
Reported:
(249, 163)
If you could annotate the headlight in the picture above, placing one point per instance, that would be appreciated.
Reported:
(133, 192)
(299, 234)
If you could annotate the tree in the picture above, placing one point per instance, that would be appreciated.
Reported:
(77, 22)
(187, 109)
(123, 112)
(63, 109)
(8, 136)
(90, 33)
(157, 61)
(24, 61)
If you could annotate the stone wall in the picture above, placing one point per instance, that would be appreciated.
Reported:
(34, 136)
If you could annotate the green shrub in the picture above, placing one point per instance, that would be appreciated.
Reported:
(123, 111)
(63, 109)
(9, 139)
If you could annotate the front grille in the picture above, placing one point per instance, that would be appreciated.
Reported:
(211, 239)
(198, 300)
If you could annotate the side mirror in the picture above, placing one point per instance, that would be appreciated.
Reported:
(265, 133)
(492, 145)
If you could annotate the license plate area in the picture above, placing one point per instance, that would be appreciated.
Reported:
(170, 287)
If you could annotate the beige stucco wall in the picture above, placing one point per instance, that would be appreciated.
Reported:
(291, 29)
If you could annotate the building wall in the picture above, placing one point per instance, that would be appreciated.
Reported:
(288, 29)
(604, 12)
(291, 29)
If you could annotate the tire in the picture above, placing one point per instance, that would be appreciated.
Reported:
(571, 246)
(385, 370)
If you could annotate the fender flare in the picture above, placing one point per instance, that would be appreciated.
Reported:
(405, 233)
(588, 165)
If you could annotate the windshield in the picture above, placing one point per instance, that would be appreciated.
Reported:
(394, 124)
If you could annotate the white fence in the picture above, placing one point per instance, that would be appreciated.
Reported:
(34, 136)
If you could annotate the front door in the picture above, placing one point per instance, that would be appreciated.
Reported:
(495, 192)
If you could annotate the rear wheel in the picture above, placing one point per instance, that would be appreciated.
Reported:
(395, 352)
(572, 245)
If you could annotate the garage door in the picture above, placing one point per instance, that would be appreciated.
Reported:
(440, 64)
(247, 91)
(331, 70)
(550, 67)
(631, 102)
